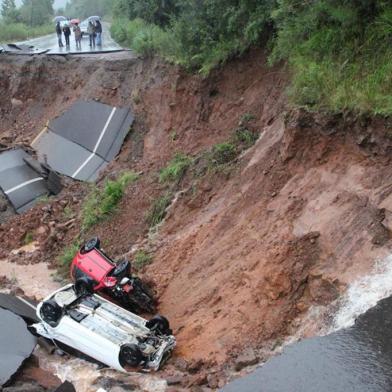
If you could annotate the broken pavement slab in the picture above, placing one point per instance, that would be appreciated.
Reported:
(20, 183)
(16, 344)
(22, 307)
(21, 49)
(83, 140)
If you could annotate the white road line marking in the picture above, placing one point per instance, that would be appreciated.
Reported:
(26, 302)
(104, 130)
(15, 188)
(97, 144)
(83, 165)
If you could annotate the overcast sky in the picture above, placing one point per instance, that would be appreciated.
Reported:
(57, 3)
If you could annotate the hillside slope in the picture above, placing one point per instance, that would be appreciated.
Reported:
(245, 250)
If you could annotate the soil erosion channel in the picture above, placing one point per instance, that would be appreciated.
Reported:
(256, 246)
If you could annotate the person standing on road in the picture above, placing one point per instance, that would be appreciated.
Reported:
(59, 34)
(78, 36)
(91, 33)
(98, 30)
(67, 33)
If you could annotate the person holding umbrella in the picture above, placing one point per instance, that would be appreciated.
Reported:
(67, 33)
(78, 36)
(98, 30)
(59, 31)
(77, 33)
(91, 32)
(59, 34)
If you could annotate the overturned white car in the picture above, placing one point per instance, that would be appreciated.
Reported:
(104, 331)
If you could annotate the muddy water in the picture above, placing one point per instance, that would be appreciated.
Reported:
(34, 279)
(88, 377)
(356, 357)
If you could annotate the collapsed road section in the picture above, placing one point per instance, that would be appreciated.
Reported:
(16, 343)
(23, 180)
(21, 49)
(82, 141)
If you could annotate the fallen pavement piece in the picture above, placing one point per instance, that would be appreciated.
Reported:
(16, 344)
(21, 184)
(21, 49)
(19, 306)
(83, 140)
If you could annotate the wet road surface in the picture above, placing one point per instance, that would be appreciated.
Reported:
(355, 359)
(50, 42)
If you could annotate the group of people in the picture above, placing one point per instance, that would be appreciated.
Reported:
(94, 31)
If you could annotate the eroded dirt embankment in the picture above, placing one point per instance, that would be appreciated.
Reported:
(244, 252)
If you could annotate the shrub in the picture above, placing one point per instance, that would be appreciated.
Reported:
(19, 32)
(141, 259)
(245, 137)
(176, 168)
(157, 212)
(339, 53)
(145, 39)
(64, 260)
(197, 35)
(223, 153)
(102, 202)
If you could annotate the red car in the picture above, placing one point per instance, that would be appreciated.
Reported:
(93, 271)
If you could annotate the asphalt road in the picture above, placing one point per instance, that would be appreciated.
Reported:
(50, 42)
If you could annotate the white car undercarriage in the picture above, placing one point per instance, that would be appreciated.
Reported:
(104, 331)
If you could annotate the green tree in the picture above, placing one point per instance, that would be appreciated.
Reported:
(85, 8)
(36, 12)
(158, 12)
(9, 11)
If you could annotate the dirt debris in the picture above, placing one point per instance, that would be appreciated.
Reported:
(245, 251)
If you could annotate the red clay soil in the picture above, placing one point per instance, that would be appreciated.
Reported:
(245, 251)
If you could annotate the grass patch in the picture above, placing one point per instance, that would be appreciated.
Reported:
(64, 260)
(102, 202)
(244, 137)
(176, 169)
(67, 212)
(141, 259)
(339, 53)
(13, 32)
(157, 212)
(223, 153)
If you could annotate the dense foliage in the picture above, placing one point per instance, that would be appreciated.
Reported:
(198, 34)
(339, 51)
(32, 12)
(32, 19)
(158, 12)
(36, 12)
(9, 11)
(85, 8)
